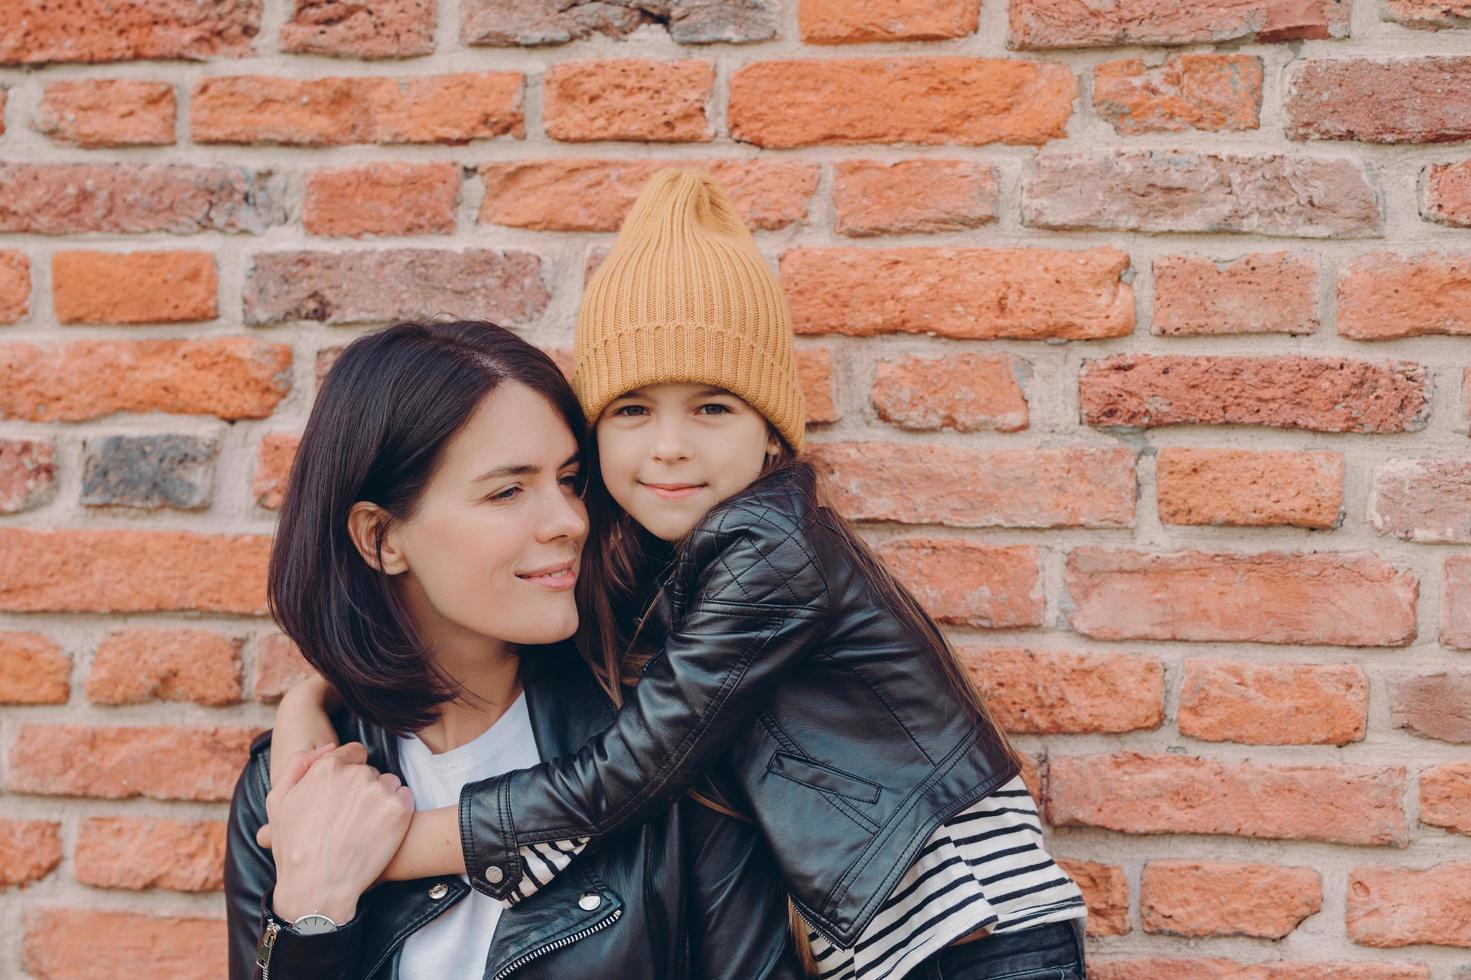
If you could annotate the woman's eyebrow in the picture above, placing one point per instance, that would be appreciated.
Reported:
(523, 469)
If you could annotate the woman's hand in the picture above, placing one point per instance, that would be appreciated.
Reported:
(336, 823)
(301, 722)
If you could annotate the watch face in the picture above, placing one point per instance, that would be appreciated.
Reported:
(313, 923)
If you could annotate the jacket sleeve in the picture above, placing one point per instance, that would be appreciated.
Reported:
(250, 880)
(739, 928)
(755, 602)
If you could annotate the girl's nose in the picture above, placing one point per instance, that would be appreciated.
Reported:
(670, 445)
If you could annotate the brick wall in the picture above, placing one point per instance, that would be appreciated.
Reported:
(1137, 330)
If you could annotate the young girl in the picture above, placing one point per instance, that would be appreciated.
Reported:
(787, 664)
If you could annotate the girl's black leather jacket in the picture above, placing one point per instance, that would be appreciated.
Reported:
(689, 894)
(782, 663)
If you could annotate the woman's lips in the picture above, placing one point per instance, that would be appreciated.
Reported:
(672, 491)
(557, 578)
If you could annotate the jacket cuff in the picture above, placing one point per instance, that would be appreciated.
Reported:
(323, 956)
(488, 838)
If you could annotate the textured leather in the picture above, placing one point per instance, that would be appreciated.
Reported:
(695, 894)
(783, 668)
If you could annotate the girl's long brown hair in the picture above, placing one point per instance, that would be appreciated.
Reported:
(621, 560)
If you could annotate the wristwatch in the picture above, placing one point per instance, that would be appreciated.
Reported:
(311, 924)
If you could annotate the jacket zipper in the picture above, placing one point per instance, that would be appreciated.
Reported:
(516, 964)
(801, 914)
(265, 948)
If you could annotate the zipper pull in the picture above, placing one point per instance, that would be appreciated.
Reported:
(266, 947)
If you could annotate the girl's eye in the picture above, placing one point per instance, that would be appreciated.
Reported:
(629, 411)
(714, 408)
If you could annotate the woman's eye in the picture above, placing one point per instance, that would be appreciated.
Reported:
(509, 493)
(571, 480)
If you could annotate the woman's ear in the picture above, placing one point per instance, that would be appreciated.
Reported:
(375, 536)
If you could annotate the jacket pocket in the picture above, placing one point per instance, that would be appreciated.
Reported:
(821, 777)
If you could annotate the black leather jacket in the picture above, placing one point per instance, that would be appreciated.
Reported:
(780, 662)
(689, 894)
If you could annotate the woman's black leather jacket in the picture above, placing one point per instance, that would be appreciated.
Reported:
(783, 663)
(689, 894)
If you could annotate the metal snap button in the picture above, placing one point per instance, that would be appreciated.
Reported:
(438, 891)
(494, 875)
(589, 901)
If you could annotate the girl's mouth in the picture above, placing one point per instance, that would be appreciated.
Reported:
(672, 491)
(557, 578)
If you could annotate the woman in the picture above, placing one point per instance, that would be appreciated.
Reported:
(424, 564)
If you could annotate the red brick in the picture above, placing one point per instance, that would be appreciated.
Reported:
(1062, 24)
(369, 109)
(1199, 968)
(132, 571)
(88, 944)
(962, 392)
(228, 377)
(1320, 394)
(961, 293)
(70, 198)
(1212, 92)
(15, 285)
(383, 199)
(1432, 14)
(1384, 296)
(134, 287)
(969, 101)
(29, 850)
(1105, 889)
(1049, 692)
(1455, 606)
(1249, 488)
(273, 468)
(1423, 500)
(1177, 794)
(815, 374)
(872, 197)
(515, 22)
(1335, 598)
(1401, 100)
(108, 112)
(964, 583)
(27, 474)
(858, 22)
(135, 665)
(1390, 907)
(1193, 898)
(1188, 191)
(1273, 704)
(629, 99)
(394, 284)
(3, 94)
(1445, 797)
(594, 195)
(1435, 705)
(925, 484)
(101, 30)
(141, 853)
(1447, 193)
(33, 670)
(159, 762)
(384, 29)
(278, 665)
(1267, 292)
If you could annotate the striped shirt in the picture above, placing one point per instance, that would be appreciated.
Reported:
(984, 867)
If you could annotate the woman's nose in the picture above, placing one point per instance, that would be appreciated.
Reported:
(566, 517)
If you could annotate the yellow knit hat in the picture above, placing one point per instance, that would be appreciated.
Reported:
(685, 297)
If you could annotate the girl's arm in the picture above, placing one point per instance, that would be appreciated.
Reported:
(757, 606)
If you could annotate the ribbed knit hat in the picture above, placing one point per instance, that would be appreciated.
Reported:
(684, 296)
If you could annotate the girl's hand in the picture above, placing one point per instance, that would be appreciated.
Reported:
(302, 723)
(336, 823)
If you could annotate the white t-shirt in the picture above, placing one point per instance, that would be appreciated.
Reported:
(457, 943)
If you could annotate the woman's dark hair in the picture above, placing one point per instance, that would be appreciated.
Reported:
(386, 410)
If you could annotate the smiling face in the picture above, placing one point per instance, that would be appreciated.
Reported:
(670, 452)
(492, 549)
